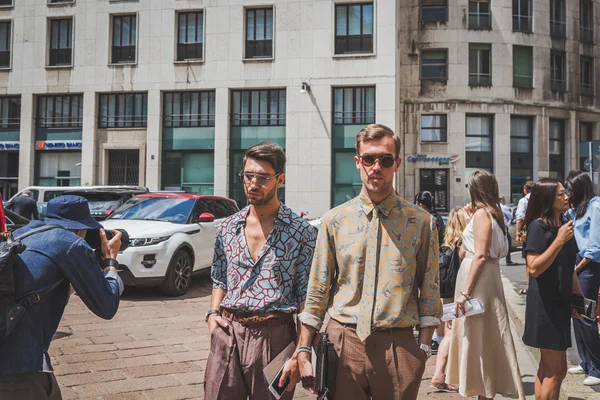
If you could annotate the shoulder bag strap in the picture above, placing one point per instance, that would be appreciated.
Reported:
(37, 230)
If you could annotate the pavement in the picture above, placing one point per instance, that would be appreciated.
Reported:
(156, 348)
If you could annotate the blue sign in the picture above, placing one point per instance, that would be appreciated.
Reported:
(9, 145)
(427, 158)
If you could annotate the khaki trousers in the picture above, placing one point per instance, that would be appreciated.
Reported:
(30, 386)
(388, 365)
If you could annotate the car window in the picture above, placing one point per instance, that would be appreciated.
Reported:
(175, 210)
(221, 209)
(50, 194)
(205, 206)
(101, 201)
(232, 207)
(35, 194)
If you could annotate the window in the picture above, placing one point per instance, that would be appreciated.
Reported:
(5, 43)
(258, 107)
(434, 128)
(479, 142)
(436, 182)
(434, 64)
(61, 41)
(259, 33)
(10, 112)
(187, 109)
(586, 135)
(522, 15)
(60, 111)
(354, 106)
(586, 21)
(123, 39)
(353, 28)
(434, 10)
(558, 75)
(558, 18)
(124, 110)
(522, 66)
(60, 1)
(521, 148)
(480, 64)
(480, 16)
(190, 35)
(586, 131)
(586, 75)
(6, 3)
(557, 149)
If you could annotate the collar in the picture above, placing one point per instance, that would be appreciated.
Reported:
(284, 216)
(385, 207)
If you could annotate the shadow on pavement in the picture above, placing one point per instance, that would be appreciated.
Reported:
(201, 286)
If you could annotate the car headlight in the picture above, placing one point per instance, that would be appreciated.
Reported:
(147, 241)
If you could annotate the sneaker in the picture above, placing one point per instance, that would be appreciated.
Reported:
(576, 370)
(512, 263)
(591, 381)
(434, 347)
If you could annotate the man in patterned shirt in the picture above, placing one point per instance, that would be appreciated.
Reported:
(375, 272)
(260, 274)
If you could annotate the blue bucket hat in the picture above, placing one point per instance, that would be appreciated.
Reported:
(70, 212)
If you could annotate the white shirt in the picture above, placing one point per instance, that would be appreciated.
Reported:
(506, 213)
(522, 207)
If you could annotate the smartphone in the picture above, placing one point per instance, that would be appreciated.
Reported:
(276, 390)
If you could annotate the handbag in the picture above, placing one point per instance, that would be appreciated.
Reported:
(325, 360)
(449, 265)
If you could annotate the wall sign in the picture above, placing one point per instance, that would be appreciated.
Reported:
(427, 158)
(59, 145)
(9, 146)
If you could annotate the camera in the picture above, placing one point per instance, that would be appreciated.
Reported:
(93, 238)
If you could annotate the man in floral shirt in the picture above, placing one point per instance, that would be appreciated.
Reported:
(260, 275)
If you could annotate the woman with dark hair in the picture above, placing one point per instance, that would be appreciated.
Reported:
(550, 250)
(586, 216)
(482, 360)
(425, 200)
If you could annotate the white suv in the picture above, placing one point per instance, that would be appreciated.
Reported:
(170, 237)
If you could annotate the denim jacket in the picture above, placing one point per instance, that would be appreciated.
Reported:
(587, 230)
(49, 257)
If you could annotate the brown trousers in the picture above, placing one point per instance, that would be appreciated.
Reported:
(31, 386)
(388, 365)
(234, 370)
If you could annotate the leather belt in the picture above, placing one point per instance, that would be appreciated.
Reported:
(248, 320)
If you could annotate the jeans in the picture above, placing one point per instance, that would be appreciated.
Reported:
(508, 259)
(30, 386)
(586, 332)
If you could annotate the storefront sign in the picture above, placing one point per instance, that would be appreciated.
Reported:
(427, 158)
(58, 145)
(9, 146)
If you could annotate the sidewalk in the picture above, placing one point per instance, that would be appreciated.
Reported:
(513, 279)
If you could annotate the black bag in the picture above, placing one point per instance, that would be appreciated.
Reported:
(449, 265)
(325, 366)
(11, 308)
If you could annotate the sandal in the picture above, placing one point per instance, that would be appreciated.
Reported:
(523, 291)
(444, 387)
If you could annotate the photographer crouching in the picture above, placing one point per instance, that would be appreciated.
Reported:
(56, 256)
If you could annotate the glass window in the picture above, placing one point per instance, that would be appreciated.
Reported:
(354, 105)
(124, 39)
(586, 21)
(558, 18)
(60, 111)
(10, 112)
(434, 64)
(190, 35)
(480, 15)
(433, 128)
(61, 35)
(259, 33)
(586, 130)
(558, 73)
(522, 66)
(189, 109)
(586, 75)
(6, 3)
(258, 107)
(480, 64)
(5, 43)
(353, 28)
(436, 182)
(434, 10)
(556, 148)
(522, 15)
(123, 110)
(58, 168)
(521, 134)
(346, 178)
(479, 133)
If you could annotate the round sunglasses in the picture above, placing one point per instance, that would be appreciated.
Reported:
(386, 160)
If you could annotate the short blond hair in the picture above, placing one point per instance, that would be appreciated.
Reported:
(375, 132)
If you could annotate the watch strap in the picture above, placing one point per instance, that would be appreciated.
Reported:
(211, 312)
(110, 262)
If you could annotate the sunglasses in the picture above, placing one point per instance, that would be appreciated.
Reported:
(386, 160)
(246, 178)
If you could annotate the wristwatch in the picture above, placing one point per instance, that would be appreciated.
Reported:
(110, 262)
(426, 349)
(211, 312)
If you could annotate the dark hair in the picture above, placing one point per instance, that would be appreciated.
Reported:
(426, 198)
(483, 190)
(543, 194)
(528, 186)
(375, 132)
(581, 191)
(269, 152)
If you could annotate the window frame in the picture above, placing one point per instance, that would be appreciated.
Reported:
(50, 50)
(202, 120)
(59, 2)
(478, 78)
(71, 123)
(445, 77)
(515, 84)
(558, 26)
(491, 118)
(237, 119)
(478, 26)
(586, 32)
(558, 85)
(178, 14)
(245, 35)
(561, 157)
(442, 128)
(437, 188)
(111, 52)
(517, 17)
(143, 123)
(4, 6)
(359, 117)
(11, 126)
(421, 7)
(586, 89)
(362, 37)
(10, 44)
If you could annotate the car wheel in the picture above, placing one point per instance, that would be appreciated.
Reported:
(179, 275)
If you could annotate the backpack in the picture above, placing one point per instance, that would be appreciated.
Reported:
(11, 308)
(449, 264)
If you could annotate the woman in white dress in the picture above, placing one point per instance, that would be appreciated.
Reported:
(482, 360)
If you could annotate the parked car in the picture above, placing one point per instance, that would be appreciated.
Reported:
(171, 236)
(13, 220)
(103, 202)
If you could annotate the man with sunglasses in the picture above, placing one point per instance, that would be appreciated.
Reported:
(375, 272)
(260, 274)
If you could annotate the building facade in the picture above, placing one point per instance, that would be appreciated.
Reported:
(169, 93)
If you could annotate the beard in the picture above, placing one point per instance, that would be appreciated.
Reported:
(260, 201)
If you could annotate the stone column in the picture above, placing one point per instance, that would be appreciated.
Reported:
(154, 141)
(89, 150)
(27, 142)
(221, 178)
